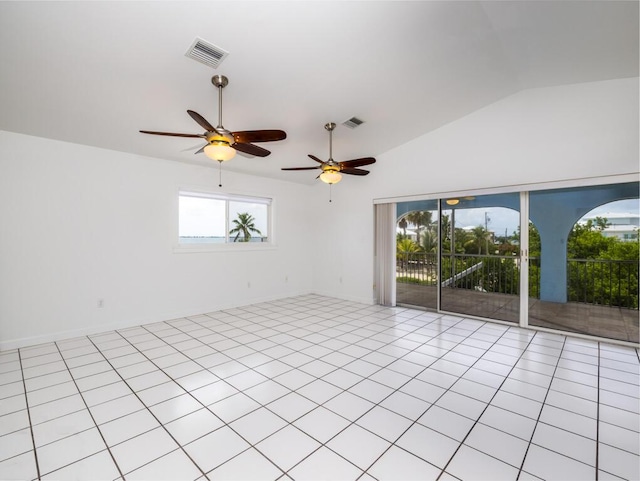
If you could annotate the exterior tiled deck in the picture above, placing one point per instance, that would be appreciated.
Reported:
(602, 321)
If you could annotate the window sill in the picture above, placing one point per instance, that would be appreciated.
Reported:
(231, 247)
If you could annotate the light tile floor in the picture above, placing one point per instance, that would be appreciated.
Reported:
(317, 388)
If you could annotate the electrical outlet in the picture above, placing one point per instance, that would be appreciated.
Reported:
(100, 303)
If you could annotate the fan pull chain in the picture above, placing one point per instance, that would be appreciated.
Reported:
(219, 174)
(330, 192)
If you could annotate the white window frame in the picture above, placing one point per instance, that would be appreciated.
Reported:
(227, 245)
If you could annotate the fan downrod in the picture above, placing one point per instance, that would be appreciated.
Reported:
(220, 81)
(330, 126)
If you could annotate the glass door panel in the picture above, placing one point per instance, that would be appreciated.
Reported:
(480, 256)
(417, 254)
(583, 260)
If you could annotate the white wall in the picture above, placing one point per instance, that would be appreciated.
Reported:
(81, 224)
(344, 235)
(534, 136)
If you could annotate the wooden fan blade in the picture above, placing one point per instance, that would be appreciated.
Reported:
(301, 168)
(251, 149)
(199, 136)
(201, 121)
(357, 162)
(315, 158)
(201, 149)
(247, 136)
(354, 171)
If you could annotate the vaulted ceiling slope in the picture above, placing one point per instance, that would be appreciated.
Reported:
(95, 73)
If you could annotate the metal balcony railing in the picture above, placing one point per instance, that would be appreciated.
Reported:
(603, 282)
(600, 282)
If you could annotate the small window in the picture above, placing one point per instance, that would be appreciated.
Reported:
(219, 219)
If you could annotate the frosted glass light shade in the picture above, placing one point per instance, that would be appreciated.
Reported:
(330, 177)
(220, 151)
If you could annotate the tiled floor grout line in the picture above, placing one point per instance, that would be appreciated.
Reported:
(248, 368)
(393, 443)
(444, 469)
(324, 444)
(297, 368)
(90, 414)
(364, 378)
(57, 417)
(378, 404)
(381, 368)
(291, 423)
(45, 388)
(304, 326)
(564, 343)
(248, 332)
(134, 392)
(26, 400)
(251, 445)
(599, 422)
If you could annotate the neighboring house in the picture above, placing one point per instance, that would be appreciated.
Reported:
(623, 225)
(410, 233)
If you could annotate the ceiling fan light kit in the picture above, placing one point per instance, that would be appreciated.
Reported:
(222, 144)
(219, 150)
(331, 170)
(330, 177)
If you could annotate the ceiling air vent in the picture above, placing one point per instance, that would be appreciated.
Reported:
(206, 53)
(353, 122)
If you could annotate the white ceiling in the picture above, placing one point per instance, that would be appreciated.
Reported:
(96, 72)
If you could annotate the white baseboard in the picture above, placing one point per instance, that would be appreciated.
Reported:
(139, 321)
(338, 295)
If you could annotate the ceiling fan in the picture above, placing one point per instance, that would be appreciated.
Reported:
(222, 144)
(332, 170)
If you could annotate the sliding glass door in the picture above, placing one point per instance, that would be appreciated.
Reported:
(574, 267)
(583, 271)
(417, 253)
(480, 256)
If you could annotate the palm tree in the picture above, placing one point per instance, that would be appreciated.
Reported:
(479, 239)
(430, 241)
(244, 225)
(405, 247)
(462, 241)
(402, 223)
(445, 233)
(420, 218)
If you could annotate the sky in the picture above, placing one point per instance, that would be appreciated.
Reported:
(620, 206)
(500, 219)
(206, 217)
